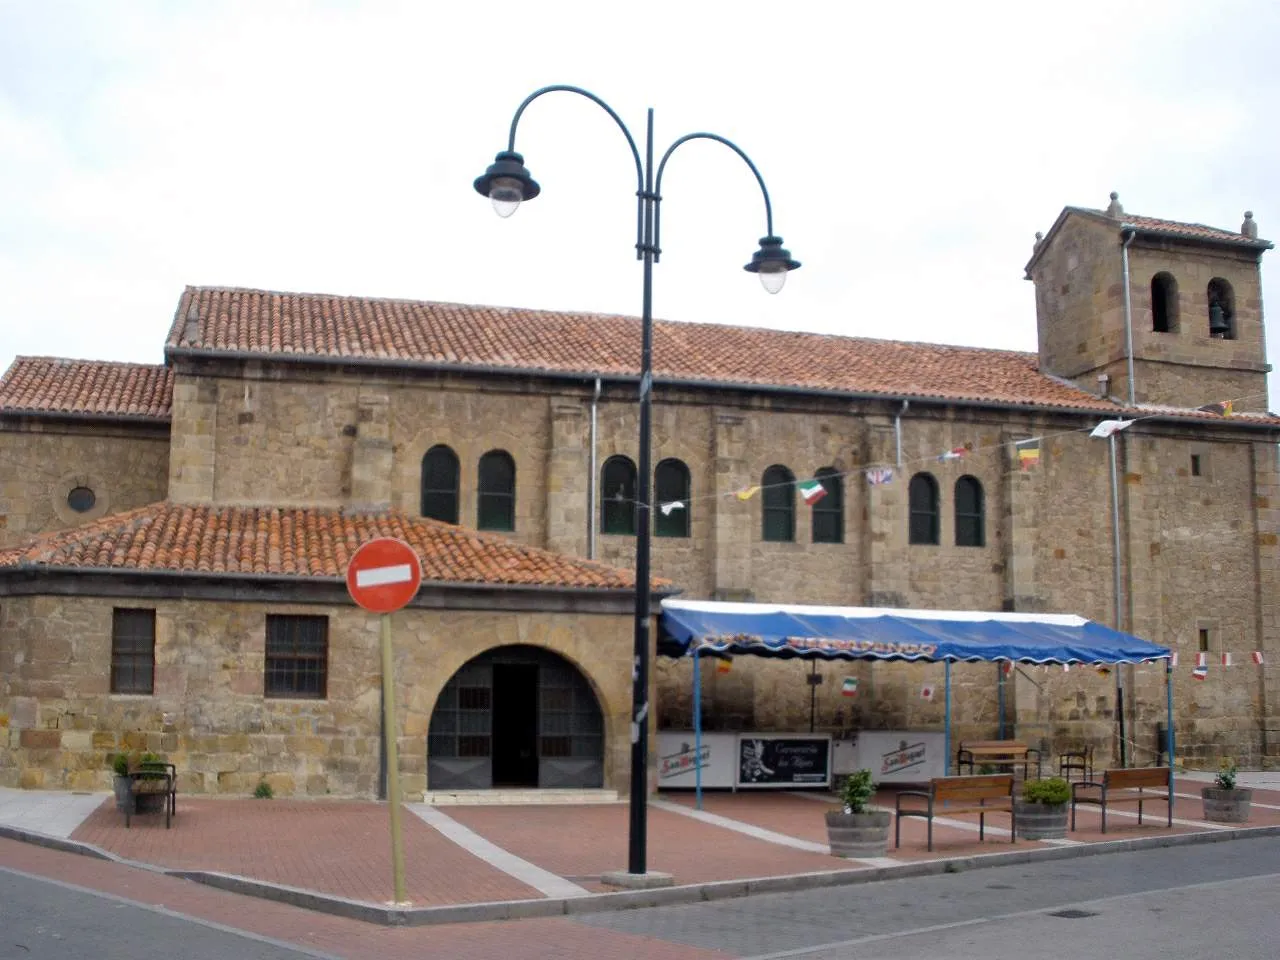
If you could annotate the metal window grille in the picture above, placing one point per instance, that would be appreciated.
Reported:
(671, 484)
(779, 510)
(440, 484)
(496, 503)
(970, 525)
(828, 513)
(297, 663)
(133, 651)
(618, 497)
(922, 495)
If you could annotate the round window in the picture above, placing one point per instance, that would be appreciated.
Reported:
(81, 499)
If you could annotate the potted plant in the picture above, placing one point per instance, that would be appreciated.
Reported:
(1224, 802)
(120, 780)
(1041, 810)
(855, 830)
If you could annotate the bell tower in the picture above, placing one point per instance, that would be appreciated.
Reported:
(1159, 311)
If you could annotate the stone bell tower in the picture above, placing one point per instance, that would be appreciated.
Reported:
(1158, 310)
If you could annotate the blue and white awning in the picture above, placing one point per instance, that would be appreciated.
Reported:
(880, 633)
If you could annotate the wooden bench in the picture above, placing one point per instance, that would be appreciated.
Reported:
(997, 753)
(151, 779)
(1131, 785)
(989, 793)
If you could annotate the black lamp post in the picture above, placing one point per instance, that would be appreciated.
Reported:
(507, 183)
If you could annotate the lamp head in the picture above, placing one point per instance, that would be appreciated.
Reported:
(772, 264)
(507, 183)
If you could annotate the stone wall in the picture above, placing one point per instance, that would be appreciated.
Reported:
(40, 464)
(61, 724)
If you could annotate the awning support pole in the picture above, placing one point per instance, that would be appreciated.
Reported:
(1000, 680)
(946, 722)
(697, 727)
(1168, 696)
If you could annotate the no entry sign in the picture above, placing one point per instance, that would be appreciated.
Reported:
(384, 575)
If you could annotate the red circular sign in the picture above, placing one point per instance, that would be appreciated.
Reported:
(384, 575)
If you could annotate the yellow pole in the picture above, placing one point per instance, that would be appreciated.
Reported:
(393, 764)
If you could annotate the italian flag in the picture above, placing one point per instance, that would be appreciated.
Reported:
(812, 491)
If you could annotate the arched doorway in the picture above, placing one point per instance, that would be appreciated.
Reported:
(516, 716)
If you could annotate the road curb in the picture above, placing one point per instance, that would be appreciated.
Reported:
(390, 915)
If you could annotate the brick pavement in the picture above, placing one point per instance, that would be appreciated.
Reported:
(511, 940)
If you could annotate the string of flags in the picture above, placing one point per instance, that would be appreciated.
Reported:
(1027, 456)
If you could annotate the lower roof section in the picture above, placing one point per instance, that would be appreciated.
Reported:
(878, 633)
(301, 544)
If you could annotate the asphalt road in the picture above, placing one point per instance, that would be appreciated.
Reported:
(1177, 903)
(1182, 903)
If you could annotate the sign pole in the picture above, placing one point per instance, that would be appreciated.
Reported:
(393, 763)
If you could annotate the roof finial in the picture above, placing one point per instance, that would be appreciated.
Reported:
(1114, 210)
(1249, 228)
(1039, 240)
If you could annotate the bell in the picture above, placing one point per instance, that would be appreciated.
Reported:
(1218, 326)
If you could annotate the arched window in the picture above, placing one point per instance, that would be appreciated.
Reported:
(1222, 309)
(970, 525)
(828, 513)
(779, 494)
(922, 498)
(671, 485)
(496, 500)
(440, 484)
(1164, 303)
(618, 496)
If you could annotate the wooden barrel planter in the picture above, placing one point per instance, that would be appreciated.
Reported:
(1041, 821)
(1226, 806)
(858, 835)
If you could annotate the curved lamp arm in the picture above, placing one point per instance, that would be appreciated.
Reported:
(768, 207)
(635, 152)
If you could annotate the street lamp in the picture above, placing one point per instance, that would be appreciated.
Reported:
(507, 184)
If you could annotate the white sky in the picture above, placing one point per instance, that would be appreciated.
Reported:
(911, 151)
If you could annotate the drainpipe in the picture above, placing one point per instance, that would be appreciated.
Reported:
(897, 430)
(1115, 566)
(592, 488)
(1128, 233)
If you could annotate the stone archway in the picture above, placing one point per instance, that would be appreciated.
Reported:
(516, 717)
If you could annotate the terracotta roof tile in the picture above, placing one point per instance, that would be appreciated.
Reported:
(414, 332)
(87, 387)
(1193, 231)
(286, 542)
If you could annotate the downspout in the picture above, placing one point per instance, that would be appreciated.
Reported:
(1128, 233)
(897, 430)
(1115, 566)
(592, 485)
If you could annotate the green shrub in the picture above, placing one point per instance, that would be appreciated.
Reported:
(857, 790)
(263, 790)
(1226, 778)
(120, 764)
(1048, 790)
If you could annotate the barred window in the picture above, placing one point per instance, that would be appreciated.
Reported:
(297, 657)
(970, 524)
(440, 484)
(133, 651)
(828, 513)
(671, 485)
(618, 496)
(922, 499)
(496, 503)
(779, 511)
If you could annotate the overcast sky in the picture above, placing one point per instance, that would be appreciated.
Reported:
(911, 150)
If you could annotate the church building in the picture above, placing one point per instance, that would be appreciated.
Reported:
(173, 537)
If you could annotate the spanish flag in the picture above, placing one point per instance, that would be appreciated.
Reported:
(1222, 409)
(1028, 454)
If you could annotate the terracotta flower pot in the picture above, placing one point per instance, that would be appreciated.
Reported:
(1226, 806)
(858, 835)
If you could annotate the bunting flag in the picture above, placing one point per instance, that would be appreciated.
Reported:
(849, 687)
(812, 491)
(1028, 454)
(747, 494)
(879, 475)
(1223, 409)
(1226, 659)
(666, 508)
(955, 453)
(926, 692)
(1200, 673)
(1202, 659)
(724, 666)
(1257, 657)
(1107, 427)
(1007, 667)
(1104, 671)
(1173, 660)
(1066, 668)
